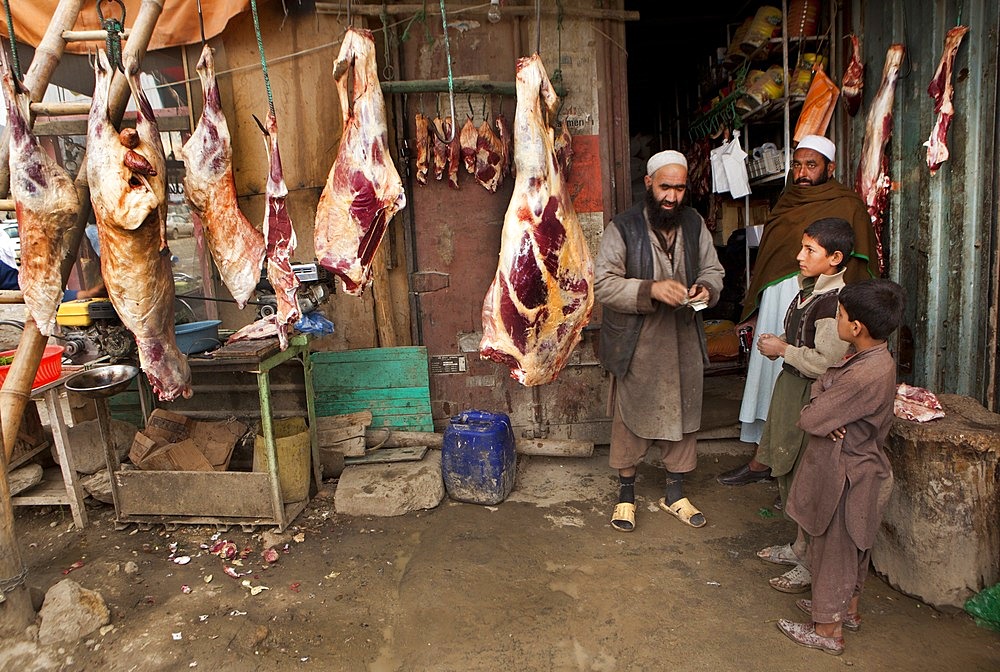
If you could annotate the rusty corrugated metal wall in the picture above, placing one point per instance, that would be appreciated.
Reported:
(941, 230)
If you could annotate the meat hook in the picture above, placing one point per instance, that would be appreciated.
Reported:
(201, 23)
(451, 79)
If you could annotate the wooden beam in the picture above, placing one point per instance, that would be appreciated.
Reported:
(477, 86)
(79, 126)
(89, 35)
(478, 9)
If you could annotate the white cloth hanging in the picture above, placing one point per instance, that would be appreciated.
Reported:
(729, 168)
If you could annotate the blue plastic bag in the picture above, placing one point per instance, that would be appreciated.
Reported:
(314, 323)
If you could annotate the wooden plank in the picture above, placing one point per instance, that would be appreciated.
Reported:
(407, 352)
(194, 493)
(386, 455)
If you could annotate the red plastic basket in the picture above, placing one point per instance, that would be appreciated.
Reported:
(49, 369)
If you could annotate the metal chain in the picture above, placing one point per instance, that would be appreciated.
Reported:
(8, 585)
(10, 36)
(263, 61)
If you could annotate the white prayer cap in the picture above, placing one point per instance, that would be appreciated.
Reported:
(819, 144)
(665, 158)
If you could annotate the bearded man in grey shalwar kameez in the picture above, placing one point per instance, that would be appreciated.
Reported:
(656, 263)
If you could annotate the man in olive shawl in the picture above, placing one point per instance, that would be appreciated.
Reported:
(813, 194)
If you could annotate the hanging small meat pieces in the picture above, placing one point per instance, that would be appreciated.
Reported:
(468, 139)
(454, 155)
(423, 142)
(440, 132)
(506, 144)
(854, 78)
(564, 149)
(488, 158)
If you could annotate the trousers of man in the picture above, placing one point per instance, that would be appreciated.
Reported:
(628, 450)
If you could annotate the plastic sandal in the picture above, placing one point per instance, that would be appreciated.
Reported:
(779, 555)
(683, 510)
(798, 579)
(623, 519)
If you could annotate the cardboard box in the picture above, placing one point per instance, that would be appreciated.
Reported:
(173, 442)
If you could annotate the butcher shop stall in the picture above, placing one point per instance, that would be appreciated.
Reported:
(266, 244)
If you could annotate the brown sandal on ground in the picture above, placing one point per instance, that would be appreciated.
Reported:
(798, 579)
(684, 511)
(623, 519)
(851, 621)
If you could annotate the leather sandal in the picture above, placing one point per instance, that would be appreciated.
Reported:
(623, 519)
(779, 555)
(684, 511)
(851, 621)
(804, 634)
(798, 579)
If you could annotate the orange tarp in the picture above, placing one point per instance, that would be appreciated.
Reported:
(177, 25)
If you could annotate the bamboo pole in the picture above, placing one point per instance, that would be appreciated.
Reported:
(478, 10)
(17, 612)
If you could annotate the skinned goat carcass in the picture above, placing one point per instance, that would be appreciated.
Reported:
(873, 182)
(423, 140)
(853, 82)
(363, 191)
(942, 91)
(210, 188)
(47, 206)
(542, 295)
(279, 238)
(127, 176)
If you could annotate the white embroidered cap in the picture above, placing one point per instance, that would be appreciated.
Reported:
(665, 158)
(819, 144)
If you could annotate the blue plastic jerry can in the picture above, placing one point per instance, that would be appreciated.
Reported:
(478, 461)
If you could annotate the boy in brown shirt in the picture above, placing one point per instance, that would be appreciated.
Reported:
(844, 478)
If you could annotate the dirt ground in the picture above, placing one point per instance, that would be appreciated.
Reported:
(540, 582)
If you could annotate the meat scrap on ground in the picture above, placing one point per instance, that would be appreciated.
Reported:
(210, 188)
(363, 190)
(47, 206)
(872, 182)
(941, 90)
(130, 208)
(542, 295)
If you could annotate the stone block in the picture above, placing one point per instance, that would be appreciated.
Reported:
(390, 489)
(939, 540)
(71, 612)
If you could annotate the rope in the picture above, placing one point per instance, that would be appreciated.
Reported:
(451, 78)
(10, 36)
(8, 585)
(114, 28)
(263, 61)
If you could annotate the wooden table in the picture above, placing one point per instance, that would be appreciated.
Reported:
(50, 491)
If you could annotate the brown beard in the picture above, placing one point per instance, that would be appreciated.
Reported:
(664, 220)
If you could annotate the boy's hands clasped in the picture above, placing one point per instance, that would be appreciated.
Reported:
(771, 346)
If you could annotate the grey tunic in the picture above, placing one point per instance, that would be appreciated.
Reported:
(660, 396)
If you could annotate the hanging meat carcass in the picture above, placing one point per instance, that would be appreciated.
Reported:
(423, 141)
(853, 82)
(47, 206)
(542, 295)
(872, 182)
(127, 176)
(279, 238)
(942, 91)
(236, 245)
(440, 131)
(468, 139)
(363, 190)
(489, 153)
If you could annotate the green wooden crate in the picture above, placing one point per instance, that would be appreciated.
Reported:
(392, 383)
